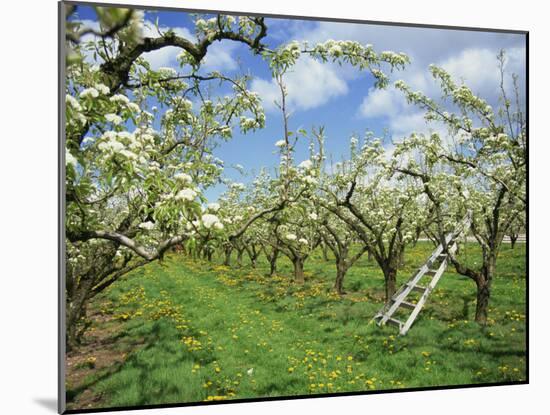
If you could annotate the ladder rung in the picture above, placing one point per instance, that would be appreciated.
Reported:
(406, 304)
(395, 322)
(419, 288)
(431, 272)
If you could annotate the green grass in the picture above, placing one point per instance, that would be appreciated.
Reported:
(194, 330)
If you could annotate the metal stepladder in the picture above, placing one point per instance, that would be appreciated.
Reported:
(431, 271)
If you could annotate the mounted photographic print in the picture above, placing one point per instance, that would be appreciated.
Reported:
(278, 207)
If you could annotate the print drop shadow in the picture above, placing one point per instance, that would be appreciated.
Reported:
(48, 403)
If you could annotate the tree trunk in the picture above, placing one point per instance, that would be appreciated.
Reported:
(227, 260)
(74, 315)
(482, 305)
(240, 257)
(298, 270)
(253, 255)
(513, 239)
(76, 310)
(325, 253)
(273, 262)
(390, 282)
(483, 283)
(341, 271)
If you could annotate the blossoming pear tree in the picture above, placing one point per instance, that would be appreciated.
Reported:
(384, 213)
(294, 231)
(138, 144)
(517, 227)
(238, 205)
(340, 239)
(478, 167)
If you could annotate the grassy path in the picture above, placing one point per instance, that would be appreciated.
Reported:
(207, 332)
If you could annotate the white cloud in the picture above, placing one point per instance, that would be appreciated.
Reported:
(404, 124)
(478, 68)
(381, 103)
(268, 91)
(220, 56)
(309, 83)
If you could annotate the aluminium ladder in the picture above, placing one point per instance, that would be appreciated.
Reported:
(433, 269)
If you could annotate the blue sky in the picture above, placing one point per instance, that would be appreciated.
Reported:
(343, 99)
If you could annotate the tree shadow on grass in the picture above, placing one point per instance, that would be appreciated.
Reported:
(161, 349)
(494, 347)
(128, 340)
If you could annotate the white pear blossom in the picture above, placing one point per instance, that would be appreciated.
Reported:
(247, 123)
(126, 135)
(146, 225)
(303, 241)
(166, 71)
(128, 154)
(183, 178)
(306, 164)
(225, 131)
(186, 194)
(214, 207)
(132, 106)
(335, 50)
(119, 98)
(70, 159)
(294, 49)
(280, 143)
(313, 216)
(89, 93)
(81, 118)
(218, 226)
(291, 237)
(115, 119)
(183, 103)
(201, 25)
(209, 220)
(238, 186)
(111, 145)
(102, 88)
(72, 102)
